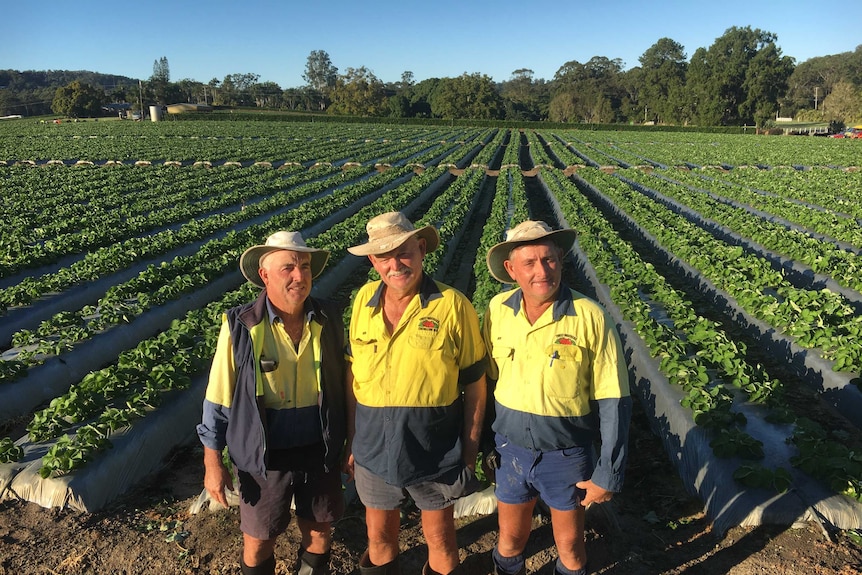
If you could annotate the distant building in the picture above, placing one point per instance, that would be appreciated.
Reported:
(186, 107)
(116, 107)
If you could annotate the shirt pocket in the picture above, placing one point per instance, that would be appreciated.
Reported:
(425, 341)
(563, 370)
(365, 358)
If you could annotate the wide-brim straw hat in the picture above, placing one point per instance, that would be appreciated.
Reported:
(249, 261)
(388, 231)
(526, 232)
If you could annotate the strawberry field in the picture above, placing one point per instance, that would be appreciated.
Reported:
(731, 264)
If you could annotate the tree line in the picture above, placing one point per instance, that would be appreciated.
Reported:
(741, 79)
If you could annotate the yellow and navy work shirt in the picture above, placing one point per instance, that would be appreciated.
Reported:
(552, 375)
(410, 413)
(288, 380)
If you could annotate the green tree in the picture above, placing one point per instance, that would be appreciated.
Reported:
(813, 80)
(765, 82)
(407, 80)
(525, 98)
(467, 96)
(844, 103)
(724, 82)
(399, 106)
(591, 92)
(268, 95)
(320, 74)
(662, 91)
(160, 82)
(358, 92)
(78, 100)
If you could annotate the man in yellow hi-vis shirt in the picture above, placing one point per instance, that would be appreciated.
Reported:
(276, 397)
(418, 364)
(561, 383)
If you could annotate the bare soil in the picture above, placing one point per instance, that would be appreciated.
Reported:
(652, 527)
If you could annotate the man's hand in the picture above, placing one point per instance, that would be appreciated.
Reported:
(347, 466)
(595, 494)
(490, 464)
(216, 476)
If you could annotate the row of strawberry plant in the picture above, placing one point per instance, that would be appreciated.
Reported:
(820, 320)
(253, 185)
(171, 141)
(105, 229)
(161, 283)
(703, 149)
(107, 389)
(508, 207)
(821, 256)
(820, 219)
(693, 350)
(837, 190)
(561, 151)
(537, 150)
(31, 288)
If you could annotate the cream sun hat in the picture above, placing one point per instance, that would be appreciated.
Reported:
(388, 231)
(249, 261)
(526, 232)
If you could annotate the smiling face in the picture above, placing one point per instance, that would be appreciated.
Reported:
(401, 268)
(537, 269)
(287, 277)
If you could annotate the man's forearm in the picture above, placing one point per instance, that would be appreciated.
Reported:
(474, 413)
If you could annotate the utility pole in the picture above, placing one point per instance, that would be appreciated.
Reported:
(816, 95)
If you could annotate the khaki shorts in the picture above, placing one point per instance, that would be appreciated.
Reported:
(431, 495)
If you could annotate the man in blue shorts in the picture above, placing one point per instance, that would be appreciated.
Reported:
(276, 398)
(561, 383)
(417, 362)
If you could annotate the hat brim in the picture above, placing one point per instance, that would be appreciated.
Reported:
(499, 253)
(428, 233)
(249, 261)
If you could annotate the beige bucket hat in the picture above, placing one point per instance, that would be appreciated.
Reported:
(388, 231)
(249, 261)
(526, 232)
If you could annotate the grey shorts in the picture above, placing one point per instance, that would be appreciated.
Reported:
(292, 474)
(431, 495)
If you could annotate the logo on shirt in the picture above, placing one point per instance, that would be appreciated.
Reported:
(429, 324)
(564, 339)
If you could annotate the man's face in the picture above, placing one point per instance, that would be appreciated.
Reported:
(538, 270)
(287, 277)
(401, 268)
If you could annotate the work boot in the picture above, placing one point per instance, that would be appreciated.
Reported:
(367, 568)
(308, 563)
(265, 568)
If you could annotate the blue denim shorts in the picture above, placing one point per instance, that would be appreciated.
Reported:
(525, 474)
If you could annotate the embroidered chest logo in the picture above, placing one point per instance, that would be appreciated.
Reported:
(564, 339)
(429, 325)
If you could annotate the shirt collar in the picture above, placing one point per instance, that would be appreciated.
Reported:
(563, 305)
(428, 291)
(307, 308)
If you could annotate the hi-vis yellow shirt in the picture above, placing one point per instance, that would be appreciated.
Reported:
(551, 374)
(409, 412)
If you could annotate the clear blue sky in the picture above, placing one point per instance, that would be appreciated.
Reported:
(436, 38)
